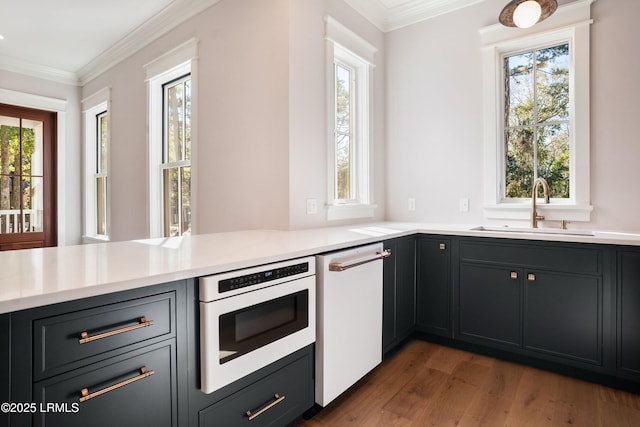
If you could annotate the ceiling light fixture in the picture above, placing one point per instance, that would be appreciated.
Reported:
(526, 13)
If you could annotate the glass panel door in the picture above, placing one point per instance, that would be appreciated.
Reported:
(23, 177)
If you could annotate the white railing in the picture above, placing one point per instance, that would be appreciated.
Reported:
(17, 221)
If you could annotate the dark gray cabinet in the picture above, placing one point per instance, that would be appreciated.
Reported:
(563, 315)
(136, 389)
(275, 396)
(101, 361)
(489, 301)
(399, 288)
(434, 285)
(5, 367)
(543, 298)
(628, 312)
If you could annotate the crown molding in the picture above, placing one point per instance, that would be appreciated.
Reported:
(169, 18)
(401, 14)
(39, 71)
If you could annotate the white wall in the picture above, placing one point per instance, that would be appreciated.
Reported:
(261, 149)
(434, 116)
(69, 179)
(307, 109)
(241, 164)
(261, 125)
(615, 114)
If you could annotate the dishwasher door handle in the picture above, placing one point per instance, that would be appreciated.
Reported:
(341, 266)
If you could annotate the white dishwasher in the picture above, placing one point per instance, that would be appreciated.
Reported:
(349, 322)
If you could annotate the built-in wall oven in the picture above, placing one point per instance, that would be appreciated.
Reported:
(252, 317)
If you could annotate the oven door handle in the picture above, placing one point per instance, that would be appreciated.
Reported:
(340, 266)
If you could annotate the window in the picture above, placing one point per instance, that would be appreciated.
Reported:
(172, 82)
(536, 121)
(349, 60)
(176, 162)
(536, 105)
(102, 127)
(96, 135)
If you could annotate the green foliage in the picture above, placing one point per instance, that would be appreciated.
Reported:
(537, 121)
(15, 166)
(343, 130)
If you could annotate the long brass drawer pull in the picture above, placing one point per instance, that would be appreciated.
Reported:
(265, 408)
(85, 395)
(85, 338)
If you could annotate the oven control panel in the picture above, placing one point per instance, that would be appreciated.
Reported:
(245, 280)
(236, 282)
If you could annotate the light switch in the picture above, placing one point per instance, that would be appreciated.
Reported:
(464, 204)
(312, 206)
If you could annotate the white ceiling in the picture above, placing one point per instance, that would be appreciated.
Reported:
(67, 34)
(72, 40)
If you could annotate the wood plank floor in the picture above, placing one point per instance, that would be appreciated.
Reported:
(430, 385)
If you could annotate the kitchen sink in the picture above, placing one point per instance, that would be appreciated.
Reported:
(507, 229)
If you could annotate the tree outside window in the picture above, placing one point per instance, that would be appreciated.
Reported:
(177, 157)
(537, 121)
(344, 185)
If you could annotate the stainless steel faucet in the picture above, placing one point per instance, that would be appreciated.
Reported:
(534, 214)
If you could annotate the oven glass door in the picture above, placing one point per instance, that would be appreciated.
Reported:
(244, 330)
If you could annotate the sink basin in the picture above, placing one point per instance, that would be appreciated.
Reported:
(506, 229)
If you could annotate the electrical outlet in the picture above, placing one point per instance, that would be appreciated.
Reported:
(312, 206)
(464, 204)
(412, 204)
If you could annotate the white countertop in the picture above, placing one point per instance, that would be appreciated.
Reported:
(36, 277)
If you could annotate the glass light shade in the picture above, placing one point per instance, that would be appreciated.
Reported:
(527, 14)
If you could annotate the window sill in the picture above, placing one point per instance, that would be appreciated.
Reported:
(351, 211)
(95, 239)
(552, 212)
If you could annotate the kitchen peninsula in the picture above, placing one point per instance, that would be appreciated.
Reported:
(561, 301)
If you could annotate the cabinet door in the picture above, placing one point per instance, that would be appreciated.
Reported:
(628, 306)
(434, 286)
(398, 307)
(490, 304)
(562, 315)
(405, 287)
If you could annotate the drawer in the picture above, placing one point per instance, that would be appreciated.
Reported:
(535, 255)
(275, 400)
(58, 340)
(117, 392)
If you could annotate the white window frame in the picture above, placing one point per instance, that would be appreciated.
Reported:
(174, 64)
(93, 106)
(347, 48)
(570, 23)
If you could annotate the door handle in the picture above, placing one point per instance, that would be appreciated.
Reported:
(340, 266)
